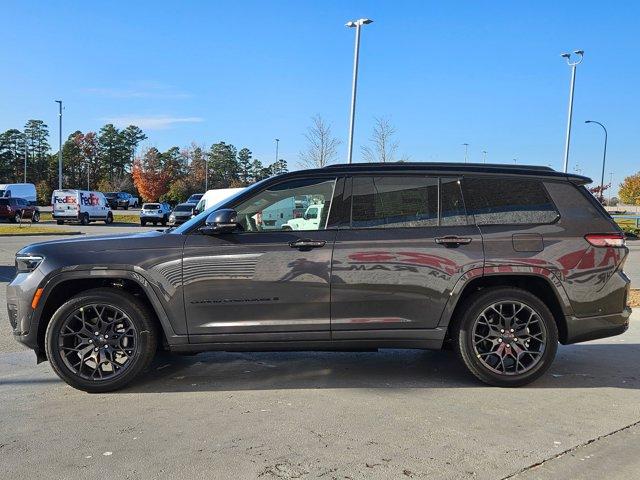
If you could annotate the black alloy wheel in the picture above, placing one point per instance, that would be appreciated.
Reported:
(101, 339)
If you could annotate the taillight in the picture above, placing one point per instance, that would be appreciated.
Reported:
(605, 239)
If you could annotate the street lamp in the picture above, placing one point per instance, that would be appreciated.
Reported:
(573, 65)
(357, 24)
(604, 157)
(484, 156)
(59, 102)
(277, 144)
(466, 151)
(26, 151)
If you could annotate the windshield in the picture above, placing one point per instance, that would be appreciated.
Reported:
(183, 208)
(195, 197)
(151, 206)
(110, 194)
(185, 227)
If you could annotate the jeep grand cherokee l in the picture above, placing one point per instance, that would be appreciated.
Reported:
(500, 262)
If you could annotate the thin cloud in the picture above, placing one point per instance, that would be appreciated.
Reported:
(140, 90)
(151, 122)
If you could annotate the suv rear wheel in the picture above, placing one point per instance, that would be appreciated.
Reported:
(100, 340)
(506, 337)
(84, 219)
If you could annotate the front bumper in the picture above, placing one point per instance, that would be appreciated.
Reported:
(22, 317)
(582, 329)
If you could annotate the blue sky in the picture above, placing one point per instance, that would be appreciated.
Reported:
(445, 73)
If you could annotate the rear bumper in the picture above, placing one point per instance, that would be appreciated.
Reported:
(582, 329)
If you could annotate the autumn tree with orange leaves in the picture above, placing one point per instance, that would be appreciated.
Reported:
(150, 176)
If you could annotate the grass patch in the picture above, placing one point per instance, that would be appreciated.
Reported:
(117, 218)
(33, 229)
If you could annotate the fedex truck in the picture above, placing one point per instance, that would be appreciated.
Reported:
(80, 206)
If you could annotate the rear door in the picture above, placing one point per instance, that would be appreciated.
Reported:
(395, 263)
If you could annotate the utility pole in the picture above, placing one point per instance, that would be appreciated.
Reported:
(573, 65)
(277, 144)
(466, 151)
(59, 102)
(484, 156)
(357, 24)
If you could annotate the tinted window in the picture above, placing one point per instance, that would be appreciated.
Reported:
(284, 206)
(4, 201)
(452, 208)
(151, 206)
(394, 202)
(508, 201)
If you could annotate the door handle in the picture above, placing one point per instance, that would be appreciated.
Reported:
(306, 244)
(453, 242)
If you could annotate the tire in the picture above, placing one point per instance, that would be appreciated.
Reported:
(478, 318)
(126, 207)
(135, 205)
(35, 217)
(143, 222)
(17, 218)
(109, 219)
(155, 223)
(163, 221)
(141, 324)
(60, 222)
(84, 219)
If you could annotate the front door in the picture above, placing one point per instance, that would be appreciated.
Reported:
(395, 265)
(270, 280)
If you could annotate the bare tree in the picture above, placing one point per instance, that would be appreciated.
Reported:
(322, 147)
(383, 147)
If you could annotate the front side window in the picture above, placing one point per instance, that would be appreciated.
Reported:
(394, 202)
(508, 201)
(301, 204)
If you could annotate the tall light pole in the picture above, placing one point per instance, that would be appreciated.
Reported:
(604, 157)
(610, 186)
(484, 156)
(59, 102)
(573, 65)
(357, 24)
(466, 151)
(277, 145)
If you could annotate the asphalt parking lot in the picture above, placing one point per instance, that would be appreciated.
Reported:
(390, 414)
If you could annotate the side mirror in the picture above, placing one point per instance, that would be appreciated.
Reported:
(220, 221)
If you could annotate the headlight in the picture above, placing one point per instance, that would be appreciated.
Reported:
(28, 263)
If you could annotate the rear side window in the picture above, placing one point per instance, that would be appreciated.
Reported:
(508, 201)
(394, 202)
(452, 209)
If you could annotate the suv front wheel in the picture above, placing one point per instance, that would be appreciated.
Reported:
(100, 340)
(506, 337)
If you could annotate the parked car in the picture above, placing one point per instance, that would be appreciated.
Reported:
(17, 209)
(501, 262)
(121, 200)
(181, 213)
(80, 206)
(195, 198)
(26, 191)
(155, 213)
(213, 197)
(310, 220)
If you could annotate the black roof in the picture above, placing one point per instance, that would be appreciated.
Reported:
(457, 168)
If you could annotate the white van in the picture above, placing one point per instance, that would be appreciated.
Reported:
(211, 197)
(26, 191)
(80, 206)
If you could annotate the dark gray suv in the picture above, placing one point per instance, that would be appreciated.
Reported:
(499, 262)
